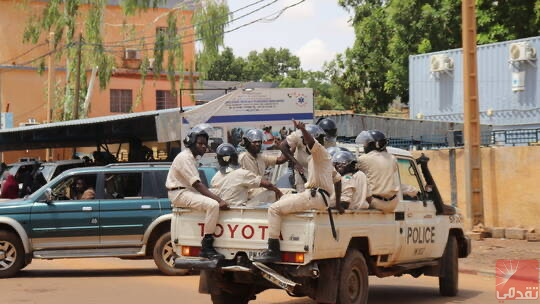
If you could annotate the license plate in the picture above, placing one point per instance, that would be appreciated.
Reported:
(253, 254)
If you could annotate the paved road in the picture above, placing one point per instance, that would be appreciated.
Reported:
(104, 281)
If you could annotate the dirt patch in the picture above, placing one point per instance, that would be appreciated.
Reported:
(486, 252)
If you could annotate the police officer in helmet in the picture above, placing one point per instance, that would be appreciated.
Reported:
(186, 190)
(253, 160)
(232, 183)
(381, 169)
(355, 192)
(330, 128)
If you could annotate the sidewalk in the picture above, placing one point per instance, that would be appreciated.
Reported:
(485, 253)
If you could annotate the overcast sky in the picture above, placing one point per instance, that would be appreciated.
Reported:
(315, 30)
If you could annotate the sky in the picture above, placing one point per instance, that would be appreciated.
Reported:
(315, 30)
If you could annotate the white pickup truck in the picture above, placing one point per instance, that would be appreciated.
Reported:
(422, 236)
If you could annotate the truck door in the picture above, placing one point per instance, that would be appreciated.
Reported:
(128, 207)
(417, 229)
(69, 220)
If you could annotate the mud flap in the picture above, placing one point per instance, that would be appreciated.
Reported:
(275, 278)
(195, 264)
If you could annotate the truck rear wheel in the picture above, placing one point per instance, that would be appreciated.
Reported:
(164, 256)
(11, 254)
(448, 279)
(227, 298)
(353, 281)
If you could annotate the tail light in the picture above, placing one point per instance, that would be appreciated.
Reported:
(292, 257)
(191, 251)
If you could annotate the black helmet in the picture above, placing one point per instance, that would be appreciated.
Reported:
(372, 140)
(227, 155)
(198, 130)
(254, 135)
(334, 150)
(343, 157)
(329, 126)
(317, 133)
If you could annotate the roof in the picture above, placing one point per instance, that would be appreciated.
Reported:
(323, 113)
(212, 88)
(63, 162)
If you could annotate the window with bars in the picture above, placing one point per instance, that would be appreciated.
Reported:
(165, 100)
(121, 101)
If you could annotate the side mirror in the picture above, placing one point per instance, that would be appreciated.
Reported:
(48, 195)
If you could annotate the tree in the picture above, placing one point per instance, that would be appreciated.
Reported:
(272, 65)
(62, 17)
(227, 67)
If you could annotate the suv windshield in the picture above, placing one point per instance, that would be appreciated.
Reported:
(47, 171)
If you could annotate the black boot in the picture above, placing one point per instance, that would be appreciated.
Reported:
(272, 254)
(208, 251)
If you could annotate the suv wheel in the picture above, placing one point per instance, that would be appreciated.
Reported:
(164, 256)
(353, 281)
(448, 279)
(11, 254)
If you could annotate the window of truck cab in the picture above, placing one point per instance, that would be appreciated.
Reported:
(410, 181)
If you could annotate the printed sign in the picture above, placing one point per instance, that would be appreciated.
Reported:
(516, 279)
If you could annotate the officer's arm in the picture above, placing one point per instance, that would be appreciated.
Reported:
(206, 192)
(337, 190)
(308, 139)
(282, 158)
(268, 185)
(286, 152)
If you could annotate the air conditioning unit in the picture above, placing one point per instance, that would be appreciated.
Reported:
(522, 51)
(131, 54)
(441, 63)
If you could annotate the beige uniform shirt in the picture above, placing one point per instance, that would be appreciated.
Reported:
(295, 141)
(183, 171)
(233, 185)
(381, 170)
(256, 165)
(322, 173)
(354, 189)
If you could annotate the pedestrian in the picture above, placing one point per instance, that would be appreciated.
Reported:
(187, 191)
(355, 193)
(232, 183)
(322, 182)
(10, 188)
(268, 142)
(381, 169)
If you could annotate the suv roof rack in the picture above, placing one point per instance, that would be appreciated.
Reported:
(151, 164)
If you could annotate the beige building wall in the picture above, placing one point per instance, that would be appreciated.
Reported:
(510, 177)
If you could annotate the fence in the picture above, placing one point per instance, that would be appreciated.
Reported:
(514, 137)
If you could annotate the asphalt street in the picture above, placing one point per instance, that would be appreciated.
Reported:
(89, 281)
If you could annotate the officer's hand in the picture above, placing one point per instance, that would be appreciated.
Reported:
(223, 205)
(299, 168)
(279, 194)
(299, 125)
(339, 208)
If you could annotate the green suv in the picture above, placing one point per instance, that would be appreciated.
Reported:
(119, 210)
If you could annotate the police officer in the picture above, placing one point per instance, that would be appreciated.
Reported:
(322, 181)
(186, 189)
(355, 192)
(330, 128)
(253, 160)
(232, 183)
(295, 150)
(381, 169)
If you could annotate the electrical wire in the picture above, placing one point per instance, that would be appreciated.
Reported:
(21, 55)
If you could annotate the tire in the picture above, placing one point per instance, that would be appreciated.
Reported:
(164, 256)
(353, 279)
(227, 298)
(448, 279)
(11, 254)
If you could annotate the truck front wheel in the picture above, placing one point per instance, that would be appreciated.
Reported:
(353, 281)
(448, 277)
(227, 298)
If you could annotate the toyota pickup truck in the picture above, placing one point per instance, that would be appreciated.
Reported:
(421, 237)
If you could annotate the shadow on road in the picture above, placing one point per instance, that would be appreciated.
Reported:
(75, 273)
(415, 294)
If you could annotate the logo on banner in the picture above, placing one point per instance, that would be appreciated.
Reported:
(300, 98)
(516, 279)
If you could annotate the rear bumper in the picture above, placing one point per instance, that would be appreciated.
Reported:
(195, 264)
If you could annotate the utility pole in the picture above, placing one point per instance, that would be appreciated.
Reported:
(77, 85)
(471, 118)
(51, 86)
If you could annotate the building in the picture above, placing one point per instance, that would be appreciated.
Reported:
(508, 85)
(23, 91)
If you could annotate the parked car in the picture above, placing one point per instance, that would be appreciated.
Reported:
(129, 216)
(51, 170)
